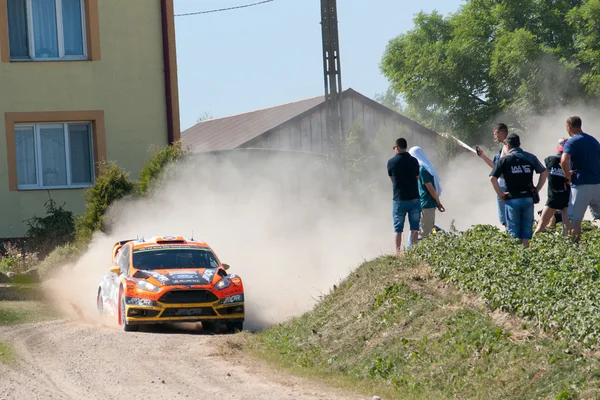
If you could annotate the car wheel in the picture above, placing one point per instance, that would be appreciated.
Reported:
(233, 327)
(100, 303)
(124, 324)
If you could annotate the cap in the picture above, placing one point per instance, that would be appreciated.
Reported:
(513, 140)
(561, 144)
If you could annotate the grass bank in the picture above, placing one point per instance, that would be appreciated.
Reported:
(394, 328)
(19, 312)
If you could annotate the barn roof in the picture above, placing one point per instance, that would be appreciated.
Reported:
(231, 132)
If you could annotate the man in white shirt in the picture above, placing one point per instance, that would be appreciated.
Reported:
(500, 134)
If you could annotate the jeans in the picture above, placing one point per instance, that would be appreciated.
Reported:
(519, 217)
(410, 207)
(501, 208)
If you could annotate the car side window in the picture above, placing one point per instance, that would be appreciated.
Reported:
(123, 260)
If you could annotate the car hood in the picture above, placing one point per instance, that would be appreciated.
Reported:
(169, 277)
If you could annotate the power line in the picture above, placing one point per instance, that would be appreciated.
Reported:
(224, 9)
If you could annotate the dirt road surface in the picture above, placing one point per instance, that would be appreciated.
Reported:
(67, 360)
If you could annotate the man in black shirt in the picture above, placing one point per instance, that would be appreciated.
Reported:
(403, 170)
(517, 167)
(559, 191)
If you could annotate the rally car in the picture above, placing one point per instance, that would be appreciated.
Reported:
(170, 279)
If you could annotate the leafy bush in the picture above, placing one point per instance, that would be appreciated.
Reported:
(555, 283)
(55, 229)
(111, 185)
(155, 166)
(14, 259)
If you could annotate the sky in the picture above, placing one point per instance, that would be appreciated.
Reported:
(237, 61)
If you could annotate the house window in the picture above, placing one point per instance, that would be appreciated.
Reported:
(54, 155)
(44, 30)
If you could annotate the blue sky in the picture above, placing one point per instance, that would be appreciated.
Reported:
(236, 61)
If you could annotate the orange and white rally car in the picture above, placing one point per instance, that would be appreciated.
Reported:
(170, 279)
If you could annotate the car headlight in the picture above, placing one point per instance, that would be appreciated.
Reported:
(223, 283)
(145, 285)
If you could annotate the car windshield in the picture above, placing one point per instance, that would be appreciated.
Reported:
(174, 258)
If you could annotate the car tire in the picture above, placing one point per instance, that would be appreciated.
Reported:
(233, 327)
(100, 303)
(126, 327)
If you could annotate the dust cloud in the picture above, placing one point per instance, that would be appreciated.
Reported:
(284, 223)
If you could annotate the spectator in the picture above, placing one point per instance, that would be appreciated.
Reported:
(430, 189)
(580, 162)
(558, 191)
(500, 133)
(403, 170)
(518, 167)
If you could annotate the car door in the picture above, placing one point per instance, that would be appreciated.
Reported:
(121, 261)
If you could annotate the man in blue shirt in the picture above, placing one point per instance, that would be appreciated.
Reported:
(580, 162)
(403, 170)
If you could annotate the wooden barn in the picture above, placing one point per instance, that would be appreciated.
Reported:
(300, 126)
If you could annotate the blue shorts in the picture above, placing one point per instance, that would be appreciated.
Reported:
(519, 217)
(410, 207)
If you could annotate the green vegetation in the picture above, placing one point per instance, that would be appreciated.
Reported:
(395, 328)
(57, 228)
(19, 312)
(555, 283)
(155, 168)
(111, 185)
(15, 260)
(7, 353)
(492, 58)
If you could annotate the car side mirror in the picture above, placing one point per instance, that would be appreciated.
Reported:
(225, 267)
(115, 269)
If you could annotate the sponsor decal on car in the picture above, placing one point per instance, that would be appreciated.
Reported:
(233, 299)
(136, 301)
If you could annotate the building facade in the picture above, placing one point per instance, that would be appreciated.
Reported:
(81, 81)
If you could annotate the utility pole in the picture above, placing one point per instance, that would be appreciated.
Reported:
(333, 82)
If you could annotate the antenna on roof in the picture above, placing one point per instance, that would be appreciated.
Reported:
(192, 235)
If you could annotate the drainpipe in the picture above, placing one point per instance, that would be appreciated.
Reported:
(167, 71)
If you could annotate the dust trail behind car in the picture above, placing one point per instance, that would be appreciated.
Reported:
(281, 221)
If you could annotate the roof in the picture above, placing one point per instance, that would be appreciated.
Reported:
(231, 132)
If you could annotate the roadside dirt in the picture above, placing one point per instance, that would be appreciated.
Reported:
(67, 360)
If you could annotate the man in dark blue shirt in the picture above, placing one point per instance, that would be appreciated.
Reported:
(518, 167)
(403, 170)
(580, 162)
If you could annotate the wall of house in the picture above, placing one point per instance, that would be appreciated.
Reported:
(127, 83)
(309, 133)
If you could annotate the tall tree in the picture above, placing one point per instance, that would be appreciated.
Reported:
(496, 59)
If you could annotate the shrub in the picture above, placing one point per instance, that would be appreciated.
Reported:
(15, 260)
(111, 185)
(55, 229)
(555, 283)
(155, 166)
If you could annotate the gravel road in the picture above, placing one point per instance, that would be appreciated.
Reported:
(68, 360)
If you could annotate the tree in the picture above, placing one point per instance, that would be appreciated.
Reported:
(204, 117)
(494, 58)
